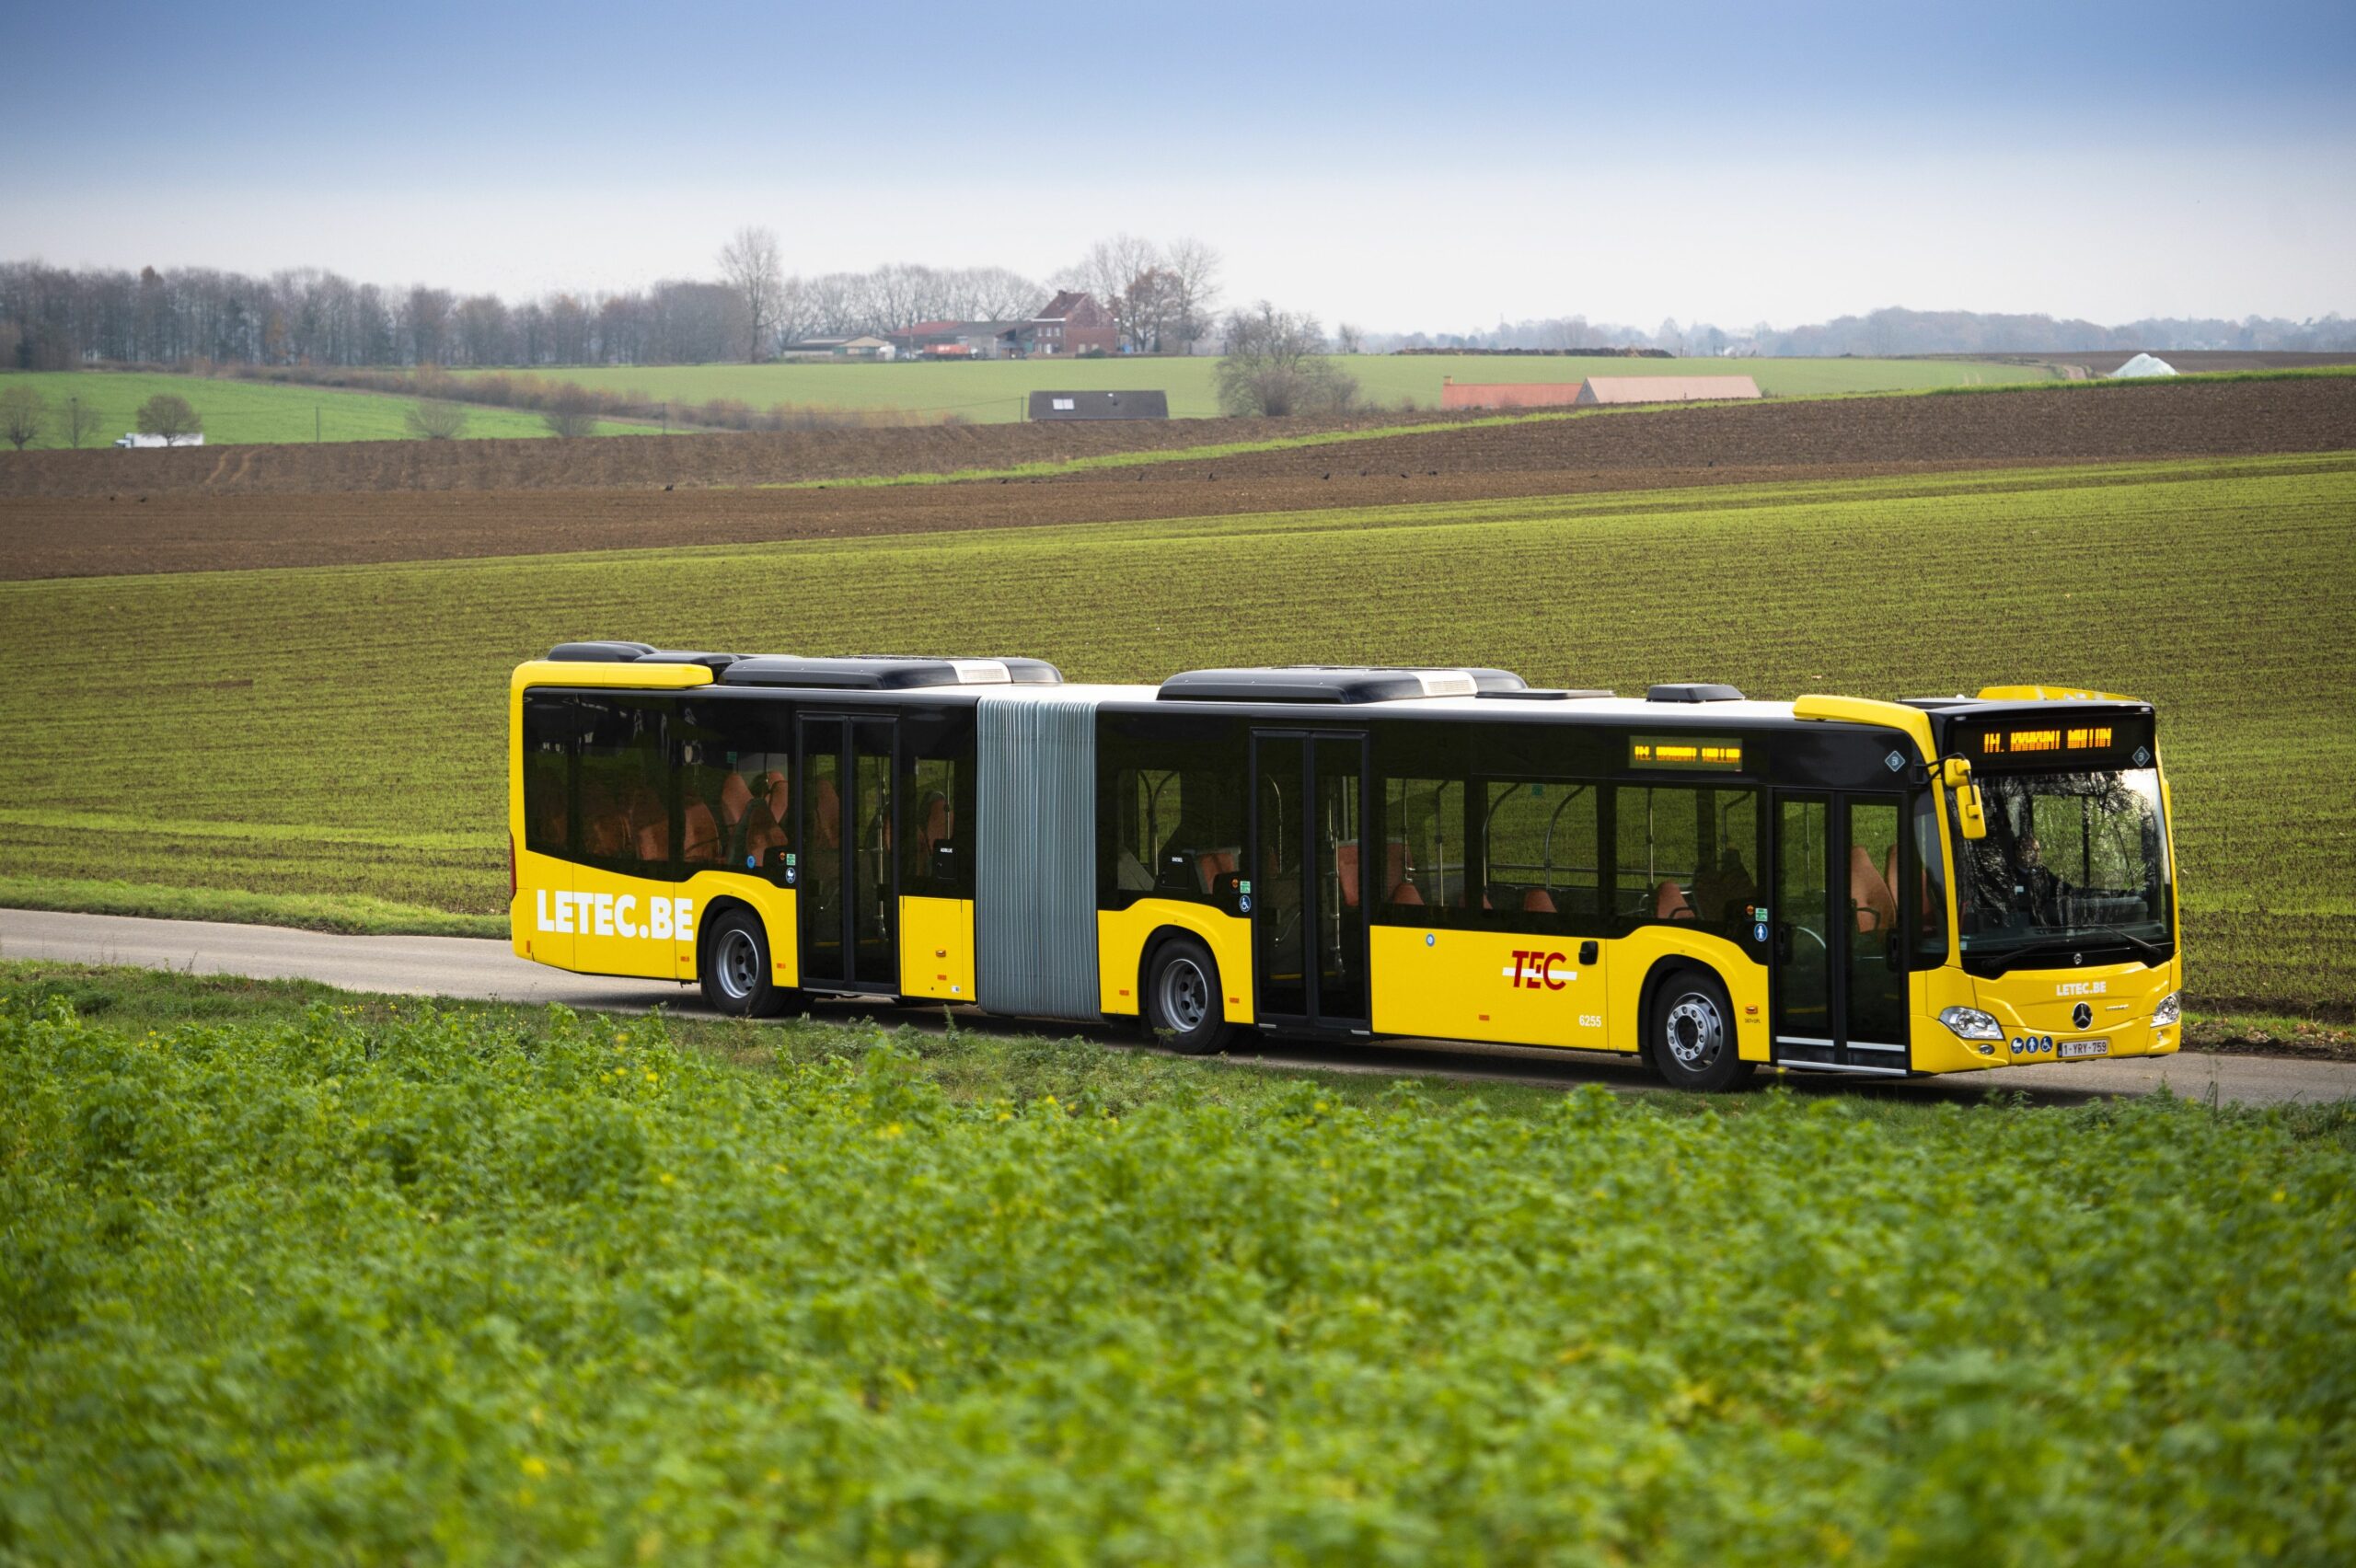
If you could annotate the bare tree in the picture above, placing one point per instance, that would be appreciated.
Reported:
(1107, 272)
(1349, 339)
(1193, 270)
(436, 419)
(78, 422)
(750, 263)
(426, 318)
(22, 413)
(1275, 365)
(571, 412)
(169, 415)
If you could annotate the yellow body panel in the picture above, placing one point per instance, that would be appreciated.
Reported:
(1122, 934)
(1487, 986)
(1634, 956)
(570, 672)
(1914, 721)
(598, 922)
(1504, 989)
(937, 948)
(2037, 1004)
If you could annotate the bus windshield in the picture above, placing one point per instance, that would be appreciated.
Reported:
(2074, 864)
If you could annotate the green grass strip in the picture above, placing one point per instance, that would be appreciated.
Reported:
(351, 914)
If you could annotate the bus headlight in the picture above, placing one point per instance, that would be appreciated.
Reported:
(2170, 1010)
(1970, 1023)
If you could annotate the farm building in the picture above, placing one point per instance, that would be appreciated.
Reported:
(838, 347)
(1100, 405)
(957, 340)
(1454, 394)
(147, 438)
(1607, 390)
(1072, 323)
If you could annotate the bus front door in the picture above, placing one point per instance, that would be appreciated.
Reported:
(1306, 881)
(1838, 986)
(846, 884)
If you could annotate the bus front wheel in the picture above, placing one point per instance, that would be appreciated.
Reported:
(1689, 1039)
(736, 968)
(1183, 1002)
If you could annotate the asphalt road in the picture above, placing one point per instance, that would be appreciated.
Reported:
(487, 970)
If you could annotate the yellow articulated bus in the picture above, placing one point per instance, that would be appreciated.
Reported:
(1713, 884)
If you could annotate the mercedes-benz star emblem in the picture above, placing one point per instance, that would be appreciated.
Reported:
(2082, 1015)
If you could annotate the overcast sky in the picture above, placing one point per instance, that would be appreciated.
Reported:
(1403, 167)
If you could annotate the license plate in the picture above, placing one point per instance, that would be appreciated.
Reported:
(2085, 1048)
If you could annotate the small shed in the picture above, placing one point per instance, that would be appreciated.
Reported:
(1100, 405)
(1607, 390)
(1455, 394)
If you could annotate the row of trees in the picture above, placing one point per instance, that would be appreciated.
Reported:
(1160, 295)
(56, 318)
(1896, 331)
(26, 416)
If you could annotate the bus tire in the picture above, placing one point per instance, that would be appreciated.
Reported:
(735, 968)
(1690, 1035)
(1184, 1004)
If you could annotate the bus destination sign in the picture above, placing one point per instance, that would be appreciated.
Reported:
(2049, 738)
(1714, 754)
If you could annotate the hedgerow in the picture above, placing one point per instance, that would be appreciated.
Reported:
(449, 1287)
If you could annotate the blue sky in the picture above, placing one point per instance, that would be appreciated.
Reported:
(1398, 166)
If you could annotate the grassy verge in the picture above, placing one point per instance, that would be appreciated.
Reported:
(375, 1285)
(352, 913)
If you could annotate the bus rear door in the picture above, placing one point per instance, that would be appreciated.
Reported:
(846, 881)
(1306, 906)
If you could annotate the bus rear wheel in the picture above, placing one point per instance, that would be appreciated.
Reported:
(1689, 1039)
(1183, 1003)
(735, 968)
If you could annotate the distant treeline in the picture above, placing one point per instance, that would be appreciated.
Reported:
(1884, 333)
(56, 318)
(1552, 353)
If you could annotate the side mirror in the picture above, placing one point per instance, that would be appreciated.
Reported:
(1968, 812)
(1956, 772)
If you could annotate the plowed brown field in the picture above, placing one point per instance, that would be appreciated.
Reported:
(632, 462)
(206, 528)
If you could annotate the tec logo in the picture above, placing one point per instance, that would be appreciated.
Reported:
(1533, 969)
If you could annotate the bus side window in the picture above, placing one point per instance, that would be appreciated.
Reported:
(1542, 853)
(1145, 853)
(1930, 883)
(934, 861)
(1686, 853)
(548, 722)
(703, 773)
(625, 784)
(1424, 865)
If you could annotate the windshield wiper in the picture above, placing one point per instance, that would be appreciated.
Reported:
(2151, 952)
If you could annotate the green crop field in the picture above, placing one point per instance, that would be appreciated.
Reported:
(248, 412)
(333, 732)
(379, 1283)
(992, 391)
